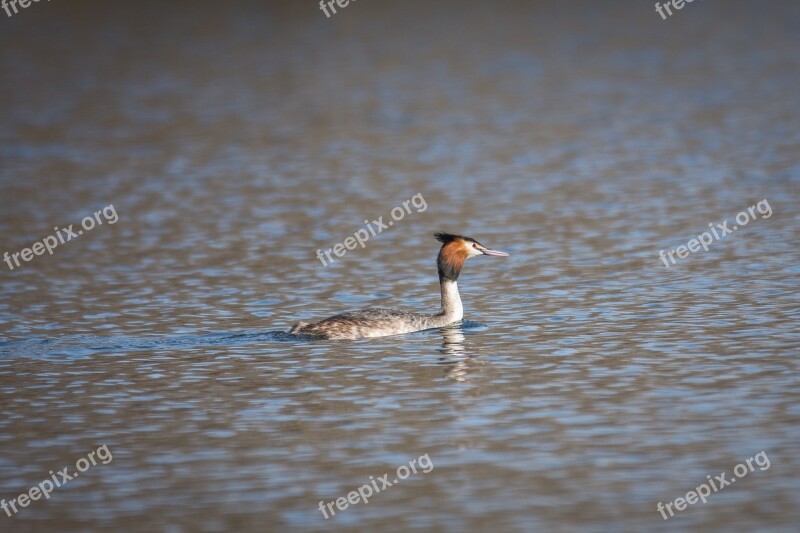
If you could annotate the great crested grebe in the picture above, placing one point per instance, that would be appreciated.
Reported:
(379, 321)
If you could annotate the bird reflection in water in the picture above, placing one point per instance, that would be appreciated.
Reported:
(456, 360)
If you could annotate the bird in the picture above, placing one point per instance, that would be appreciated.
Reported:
(381, 322)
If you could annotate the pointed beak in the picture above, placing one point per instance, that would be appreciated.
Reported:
(487, 251)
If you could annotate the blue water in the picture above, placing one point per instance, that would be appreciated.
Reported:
(588, 382)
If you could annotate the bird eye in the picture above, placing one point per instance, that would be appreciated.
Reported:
(475, 245)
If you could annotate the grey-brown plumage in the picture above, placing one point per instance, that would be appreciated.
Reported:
(371, 322)
(379, 322)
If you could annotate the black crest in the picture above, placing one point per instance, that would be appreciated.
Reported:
(445, 238)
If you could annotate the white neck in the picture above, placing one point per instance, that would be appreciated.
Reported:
(452, 309)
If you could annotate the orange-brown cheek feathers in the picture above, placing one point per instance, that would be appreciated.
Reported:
(452, 255)
(451, 259)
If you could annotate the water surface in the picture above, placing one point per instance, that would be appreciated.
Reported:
(589, 381)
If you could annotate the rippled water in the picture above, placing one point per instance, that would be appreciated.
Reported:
(588, 381)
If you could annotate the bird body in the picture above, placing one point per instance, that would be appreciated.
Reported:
(380, 322)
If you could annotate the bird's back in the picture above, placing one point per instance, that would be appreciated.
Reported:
(371, 322)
